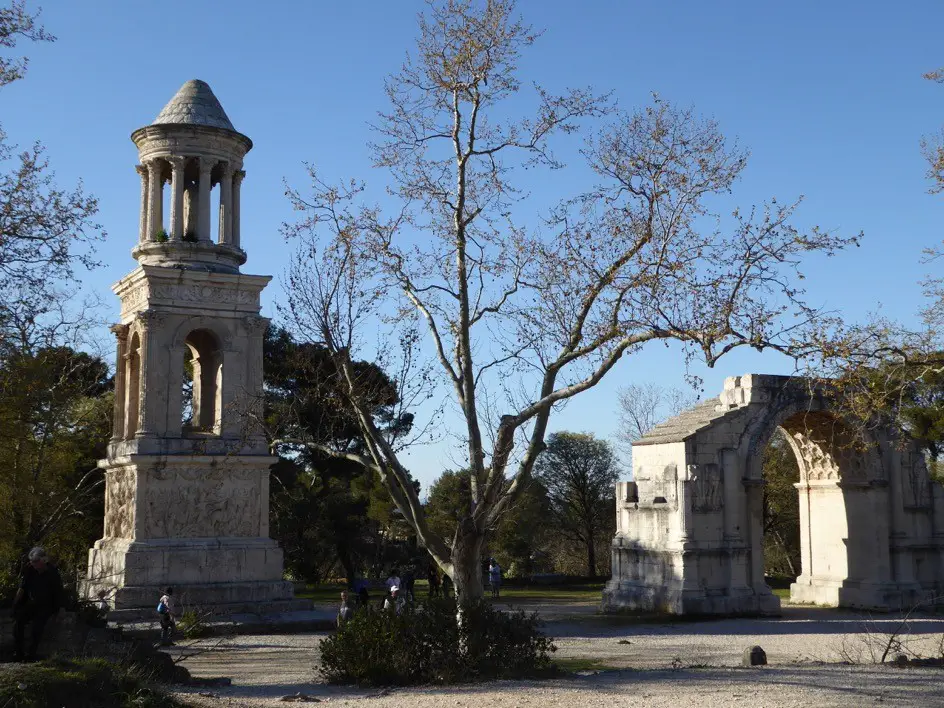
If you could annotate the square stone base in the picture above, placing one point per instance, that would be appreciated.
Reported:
(203, 572)
(672, 599)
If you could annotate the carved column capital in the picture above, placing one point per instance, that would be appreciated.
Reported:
(120, 331)
(238, 177)
(141, 170)
(150, 319)
(255, 324)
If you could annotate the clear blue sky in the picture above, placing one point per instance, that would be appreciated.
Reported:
(827, 95)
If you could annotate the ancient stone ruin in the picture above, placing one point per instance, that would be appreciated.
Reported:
(187, 472)
(689, 534)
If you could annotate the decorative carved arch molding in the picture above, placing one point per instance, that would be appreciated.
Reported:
(823, 443)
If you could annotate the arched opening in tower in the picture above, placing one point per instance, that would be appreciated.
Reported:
(202, 384)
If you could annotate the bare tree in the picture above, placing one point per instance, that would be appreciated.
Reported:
(644, 406)
(45, 231)
(519, 318)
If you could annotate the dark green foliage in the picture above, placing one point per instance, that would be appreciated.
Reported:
(522, 533)
(580, 472)
(781, 510)
(325, 511)
(421, 646)
(79, 683)
(55, 418)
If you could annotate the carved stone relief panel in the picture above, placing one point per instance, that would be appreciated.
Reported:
(187, 292)
(132, 299)
(119, 503)
(665, 486)
(915, 483)
(203, 502)
(708, 491)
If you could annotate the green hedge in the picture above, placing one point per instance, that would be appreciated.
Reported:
(422, 645)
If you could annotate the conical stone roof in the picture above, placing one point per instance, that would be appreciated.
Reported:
(195, 104)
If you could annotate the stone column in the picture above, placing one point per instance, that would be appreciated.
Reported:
(754, 493)
(177, 197)
(156, 198)
(226, 204)
(203, 200)
(143, 224)
(806, 551)
(190, 209)
(237, 182)
(118, 420)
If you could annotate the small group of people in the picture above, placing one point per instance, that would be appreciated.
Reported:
(399, 590)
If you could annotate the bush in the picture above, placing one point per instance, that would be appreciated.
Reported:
(193, 624)
(89, 683)
(422, 645)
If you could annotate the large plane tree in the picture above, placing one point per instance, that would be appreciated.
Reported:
(520, 310)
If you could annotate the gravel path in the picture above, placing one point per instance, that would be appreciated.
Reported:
(657, 664)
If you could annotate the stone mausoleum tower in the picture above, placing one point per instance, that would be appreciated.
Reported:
(187, 473)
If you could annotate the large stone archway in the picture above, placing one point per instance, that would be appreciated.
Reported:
(690, 525)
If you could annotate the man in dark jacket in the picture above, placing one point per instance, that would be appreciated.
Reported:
(38, 599)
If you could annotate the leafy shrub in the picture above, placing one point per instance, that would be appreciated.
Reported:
(425, 645)
(161, 236)
(193, 624)
(91, 683)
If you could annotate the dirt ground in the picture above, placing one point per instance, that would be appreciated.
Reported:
(816, 658)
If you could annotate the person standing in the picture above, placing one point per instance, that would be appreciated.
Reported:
(406, 587)
(37, 600)
(345, 611)
(363, 598)
(167, 609)
(446, 585)
(394, 603)
(393, 579)
(432, 575)
(494, 577)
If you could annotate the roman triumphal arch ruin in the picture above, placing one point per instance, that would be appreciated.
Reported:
(187, 471)
(690, 524)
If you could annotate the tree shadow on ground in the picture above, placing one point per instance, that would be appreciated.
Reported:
(795, 620)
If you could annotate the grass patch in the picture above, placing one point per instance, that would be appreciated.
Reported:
(90, 683)
(782, 593)
(591, 592)
(575, 664)
(325, 594)
(330, 593)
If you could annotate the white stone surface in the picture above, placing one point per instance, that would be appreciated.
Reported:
(690, 529)
(187, 487)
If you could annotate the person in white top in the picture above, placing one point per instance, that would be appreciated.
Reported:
(167, 609)
(394, 603)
